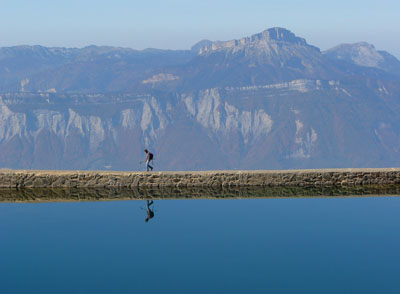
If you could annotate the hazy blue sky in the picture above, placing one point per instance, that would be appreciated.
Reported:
(178, 24)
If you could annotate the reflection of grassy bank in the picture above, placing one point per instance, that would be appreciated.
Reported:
(48, 194)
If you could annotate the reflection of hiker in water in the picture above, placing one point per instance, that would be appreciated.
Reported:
(150, 212)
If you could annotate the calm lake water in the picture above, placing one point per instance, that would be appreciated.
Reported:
(278, 245)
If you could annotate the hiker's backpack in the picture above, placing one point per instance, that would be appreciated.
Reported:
(151, 156)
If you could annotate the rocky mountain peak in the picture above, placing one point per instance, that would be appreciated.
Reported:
(267, 37)
(278, 35)
(199, 45)
(363, 54)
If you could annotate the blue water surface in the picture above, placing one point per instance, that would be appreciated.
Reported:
(298, 245)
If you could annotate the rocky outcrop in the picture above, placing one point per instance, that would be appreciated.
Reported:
(364, 54)
(286, 178)
(270, 36)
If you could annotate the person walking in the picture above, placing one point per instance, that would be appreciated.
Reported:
(149, 158)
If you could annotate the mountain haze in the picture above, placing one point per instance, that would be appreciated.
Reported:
(270, 100)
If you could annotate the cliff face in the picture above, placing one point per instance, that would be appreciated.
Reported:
(44, 131)
(55, 132)
(302, 123)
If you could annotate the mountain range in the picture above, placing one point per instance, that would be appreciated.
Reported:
(267, 101)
